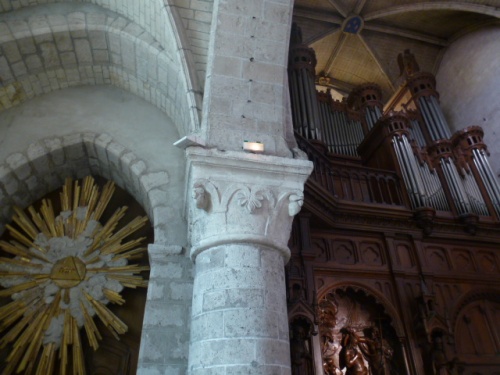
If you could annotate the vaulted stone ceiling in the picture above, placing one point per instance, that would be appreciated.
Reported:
(358, 41)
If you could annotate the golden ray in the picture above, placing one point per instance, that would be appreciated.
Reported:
(28, 317)
(40, 224)
(47, 360)
(130, 281)
(110, 320)
(78, 362)
(18, 288)
(106, 194)
(132, 268)
(132, 254)
(22, 262)
(93, 333)
(48, 215)
(106, 231)
(21, 219)
(113, 297)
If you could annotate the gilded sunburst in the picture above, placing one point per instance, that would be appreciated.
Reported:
(65, 269)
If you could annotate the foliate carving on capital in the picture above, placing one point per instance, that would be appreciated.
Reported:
(252, 199)
(209, 197)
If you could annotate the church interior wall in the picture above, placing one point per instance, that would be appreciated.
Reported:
(109, 132)
(469, 84)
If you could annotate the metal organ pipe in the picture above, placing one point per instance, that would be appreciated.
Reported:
(475, 198)
(434, 117)
(409, 173)
(488, 177)
(428, 118)
(417, 133)
(454, 182)
(330, 124)
(404, 172)
(410, 157)
(439, 112)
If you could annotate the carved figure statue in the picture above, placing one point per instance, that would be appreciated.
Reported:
(438, 355)
(407, 63)
(329, 348)
(299, 349)
(330, 353)
(376, 350)
(354, 363)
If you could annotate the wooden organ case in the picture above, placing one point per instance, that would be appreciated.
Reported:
(395, 255)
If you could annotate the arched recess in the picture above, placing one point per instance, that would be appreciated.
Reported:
(477, 332)
(49, 47)
(27, 176)
(353, 317)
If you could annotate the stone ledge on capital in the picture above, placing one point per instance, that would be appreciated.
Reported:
(226, 206)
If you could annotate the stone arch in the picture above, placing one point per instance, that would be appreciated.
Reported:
(27, 176)
(380, 299)
(89, 45)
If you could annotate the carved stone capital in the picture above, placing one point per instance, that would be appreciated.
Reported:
(242, 198)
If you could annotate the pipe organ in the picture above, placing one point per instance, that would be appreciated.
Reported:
(394, 265)
(441, 172)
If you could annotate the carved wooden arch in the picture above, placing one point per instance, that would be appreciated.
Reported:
(368, 291)
(470, 297)
(301, 309)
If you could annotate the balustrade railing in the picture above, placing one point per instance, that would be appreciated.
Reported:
(353, 183)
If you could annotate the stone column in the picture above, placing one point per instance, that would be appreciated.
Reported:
(240, 217)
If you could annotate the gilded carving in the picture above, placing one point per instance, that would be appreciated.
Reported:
(63, 271)
(351, 335)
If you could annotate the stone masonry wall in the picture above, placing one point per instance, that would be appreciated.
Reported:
(51, 47)
(112, 133)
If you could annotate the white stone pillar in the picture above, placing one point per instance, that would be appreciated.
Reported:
(240, 218)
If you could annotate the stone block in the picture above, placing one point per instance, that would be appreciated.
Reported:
(154, 180)
(83, 52)
(19, 165)
(33, 62)
(63, 41)
(164, 314)
(170, 270)
(19, 28)
(49, 55)
(223, 352)
(250, 322)
(55, 148)
(238, 256)
(273, 352)
(11, 52)
(26, 45)
(69, 59)
(19, 69)
(255, 369)
(207, 326)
